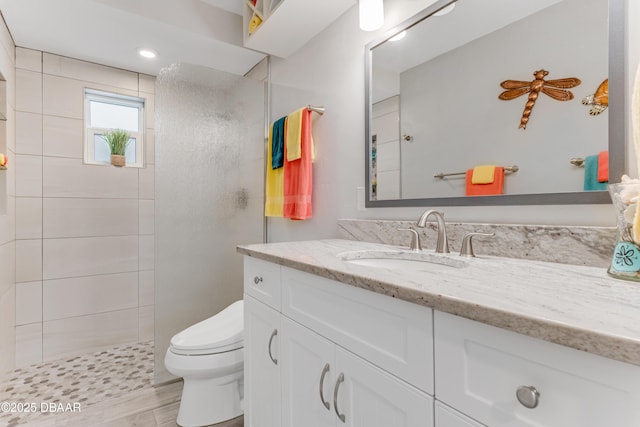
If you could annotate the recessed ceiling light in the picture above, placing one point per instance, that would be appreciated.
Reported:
(147, 53)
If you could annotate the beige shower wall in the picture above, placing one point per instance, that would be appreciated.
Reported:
(84, 233)
(7, 211)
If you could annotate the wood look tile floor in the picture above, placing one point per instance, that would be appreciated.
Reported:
(113, 388)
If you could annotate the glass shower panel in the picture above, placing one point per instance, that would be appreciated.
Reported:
(209, 157)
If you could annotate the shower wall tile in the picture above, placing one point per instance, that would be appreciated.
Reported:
(28, 260)
(147, 254)
(146, 323)
(146, 179)
(81, 296)
(146, 220)
(149, 108)
(86, 334)
(71, 178)
(28, 345)
(150, 147)
(28, 303)
(28, 133)
(87, 256)
(7, 329)
(7, 267)
(65, 217)
(84, 257)
(28, 59)
(28, 217)
(64, 66)
(28, 91)
(28, 175)
(62, 97)
(62, 137)
(146, 288)
(146, 83)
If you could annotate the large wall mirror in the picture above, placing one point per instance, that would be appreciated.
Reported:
(433, 112)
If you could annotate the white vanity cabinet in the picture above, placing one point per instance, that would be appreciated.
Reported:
(448, 417)
(326, 385)
(358, 358)
(262, 343)
(502, 378)
(262, 371)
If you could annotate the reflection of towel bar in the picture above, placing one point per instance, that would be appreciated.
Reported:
(578, 161)
(512, 169)
(319, 110)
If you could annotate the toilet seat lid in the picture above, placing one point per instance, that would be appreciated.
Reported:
(222, 332)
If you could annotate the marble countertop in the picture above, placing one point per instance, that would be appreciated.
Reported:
(576, 306)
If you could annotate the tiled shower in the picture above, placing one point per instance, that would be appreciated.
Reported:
(84, 233)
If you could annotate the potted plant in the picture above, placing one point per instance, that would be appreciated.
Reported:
(117, 139)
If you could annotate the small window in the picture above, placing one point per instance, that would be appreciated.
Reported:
(104, 111)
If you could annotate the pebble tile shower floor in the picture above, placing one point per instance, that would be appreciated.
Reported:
(78, 381)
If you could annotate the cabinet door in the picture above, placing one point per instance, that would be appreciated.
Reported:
(370, 397)
(261, 365)
(307, 377)
(447, 417)
(504, 379)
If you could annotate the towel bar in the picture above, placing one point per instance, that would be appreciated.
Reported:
(511, 169)
(319, 110)
(578, 161)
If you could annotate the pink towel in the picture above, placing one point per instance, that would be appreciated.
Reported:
(298, 176)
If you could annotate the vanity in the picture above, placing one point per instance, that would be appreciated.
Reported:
(334, 338)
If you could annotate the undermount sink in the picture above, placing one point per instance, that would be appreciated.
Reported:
(403, 260)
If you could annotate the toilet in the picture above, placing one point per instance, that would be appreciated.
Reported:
(209, 356)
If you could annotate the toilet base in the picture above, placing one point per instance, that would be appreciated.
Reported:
(206, 402)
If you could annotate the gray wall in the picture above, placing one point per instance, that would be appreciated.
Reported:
(477, 128)
(329, 71)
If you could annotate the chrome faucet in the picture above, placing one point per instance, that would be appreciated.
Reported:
(442, 244)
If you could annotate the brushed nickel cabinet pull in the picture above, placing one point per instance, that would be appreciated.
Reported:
(324, 372)
(335, 397)
(273, 335)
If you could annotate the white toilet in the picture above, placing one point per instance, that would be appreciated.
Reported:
(209, 356)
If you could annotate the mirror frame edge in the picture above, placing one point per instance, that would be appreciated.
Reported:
(617, 124)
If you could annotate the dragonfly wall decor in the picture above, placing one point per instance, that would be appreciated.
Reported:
(556, 89)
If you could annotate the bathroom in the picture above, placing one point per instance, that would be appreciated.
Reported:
(327, 71)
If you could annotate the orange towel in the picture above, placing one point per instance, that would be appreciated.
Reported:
(495, 188)
(298, 176)
(603, 166)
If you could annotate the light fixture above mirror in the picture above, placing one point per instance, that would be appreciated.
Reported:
(371, 13)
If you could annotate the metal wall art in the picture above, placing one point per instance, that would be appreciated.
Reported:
(553, 88)
(599, 100)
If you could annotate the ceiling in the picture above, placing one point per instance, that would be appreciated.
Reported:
(109, 32)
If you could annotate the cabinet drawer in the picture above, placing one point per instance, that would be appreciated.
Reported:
(479, 368)
(262, 281)
(392, 334)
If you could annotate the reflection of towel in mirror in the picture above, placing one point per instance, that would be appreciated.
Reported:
(274, 184)
(298, 176)
(492, 189)
(591, 175)
(483, 174)
(603, 166)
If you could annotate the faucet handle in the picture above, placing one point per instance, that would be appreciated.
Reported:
(415, 239)
(467, 246)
